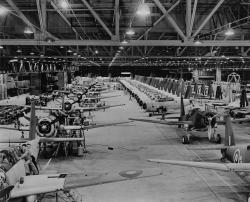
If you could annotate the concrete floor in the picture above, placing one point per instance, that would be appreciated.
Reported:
(135, 142)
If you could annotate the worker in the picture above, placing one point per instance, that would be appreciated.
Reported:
(243, 98)
(77, 120)
(29, 165)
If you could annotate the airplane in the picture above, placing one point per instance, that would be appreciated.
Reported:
(21, 187)
(196, 122)
(237, 155)
(52, 127)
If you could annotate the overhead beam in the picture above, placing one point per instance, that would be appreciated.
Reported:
(191, 57)
(117, 19)
(38, 5)
(159, 19)
(207, 18)
(192, 18)
(21, 15)
(32, 42)
(64, 18)
(170, 19)
(188, 15)
(44, 14)
(97, 17)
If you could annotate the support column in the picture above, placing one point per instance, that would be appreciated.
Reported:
(218, 74)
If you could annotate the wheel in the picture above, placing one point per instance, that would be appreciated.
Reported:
(185, 139)
(218, 139)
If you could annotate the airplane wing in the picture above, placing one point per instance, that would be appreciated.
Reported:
(207, 147)
(101, 97)
(40, 107)
(23, 128)
(96, 108)
(72, 127)
(57, 139)
(240, 120)
(228, 167)
(39, 184)
(163, 122)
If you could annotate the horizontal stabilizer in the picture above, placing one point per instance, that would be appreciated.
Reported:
(228, 167)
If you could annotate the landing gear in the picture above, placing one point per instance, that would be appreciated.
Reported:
(223, 153)
(186, 139)
(218, 139)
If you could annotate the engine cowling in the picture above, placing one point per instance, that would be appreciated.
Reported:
(79, 96)
(67, 106)
(46, 127)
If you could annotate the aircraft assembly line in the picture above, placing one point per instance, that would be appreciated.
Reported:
(121, 156)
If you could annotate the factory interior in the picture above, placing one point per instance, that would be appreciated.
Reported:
(124, 100)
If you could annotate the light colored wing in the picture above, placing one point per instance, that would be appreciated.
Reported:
(240, 120)
(39, 184)
(96, 108)
(55, 139)
(207, 147)
(72, 127)
(23, 128)
(40, 107)
(163, 122)
(228, 167)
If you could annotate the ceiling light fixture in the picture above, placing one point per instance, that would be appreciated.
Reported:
(64, 4)
(28, 31)
(69, 51)
(130, 32)
(1, 47)
(96, 51)
(143, 10)
(229, 31)
(197, 42)
(3, 10)
(19, 50)
(124, 41)
(32, 53)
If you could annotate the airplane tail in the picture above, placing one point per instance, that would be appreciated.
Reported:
(33, 121)
(229, 134)
(182, 110)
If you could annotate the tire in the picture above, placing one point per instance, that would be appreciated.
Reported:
(185, 139)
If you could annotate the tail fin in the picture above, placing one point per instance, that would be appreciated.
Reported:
(229, 134)
(33, 121)
(182, 110)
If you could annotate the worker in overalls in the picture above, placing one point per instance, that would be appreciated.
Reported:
(30, 168)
